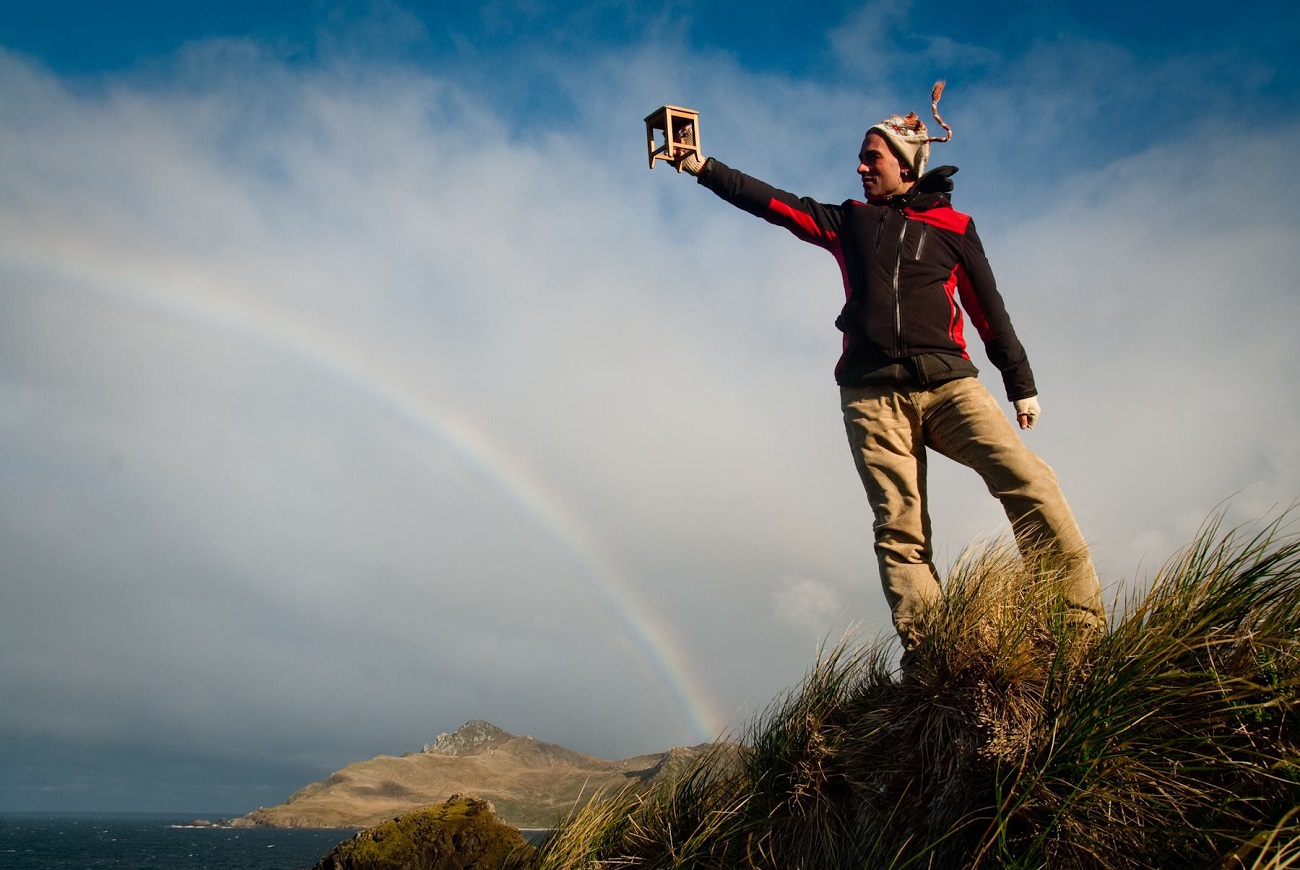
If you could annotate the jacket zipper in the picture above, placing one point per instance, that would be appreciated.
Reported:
(898, 301)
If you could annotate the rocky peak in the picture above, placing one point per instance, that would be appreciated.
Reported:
(472, 738)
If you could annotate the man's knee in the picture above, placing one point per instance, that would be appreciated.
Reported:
(901, 543)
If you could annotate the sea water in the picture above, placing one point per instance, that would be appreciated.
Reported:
(154, 842)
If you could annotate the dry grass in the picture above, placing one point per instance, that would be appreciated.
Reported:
(1170, 741)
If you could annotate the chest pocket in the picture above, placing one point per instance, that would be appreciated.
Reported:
(927, 258)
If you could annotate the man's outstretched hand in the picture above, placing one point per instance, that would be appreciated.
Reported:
(691, 162)
(1027, 412)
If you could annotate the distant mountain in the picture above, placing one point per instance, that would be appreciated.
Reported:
(531, 783)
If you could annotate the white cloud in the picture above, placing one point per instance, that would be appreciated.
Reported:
(807, 603)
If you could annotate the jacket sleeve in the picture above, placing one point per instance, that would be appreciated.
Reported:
(979, 295)
(809, 220)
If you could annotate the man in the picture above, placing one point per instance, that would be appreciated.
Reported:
(910, 265)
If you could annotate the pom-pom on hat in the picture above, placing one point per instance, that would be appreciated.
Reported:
(908, 136)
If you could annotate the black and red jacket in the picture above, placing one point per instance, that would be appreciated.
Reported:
(910, 266)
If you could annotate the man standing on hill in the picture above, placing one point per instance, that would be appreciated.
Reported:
(910, 265)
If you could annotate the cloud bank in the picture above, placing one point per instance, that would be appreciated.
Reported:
(339, 406)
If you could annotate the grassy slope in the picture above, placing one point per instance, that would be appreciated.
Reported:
(1170, 741)
(461, 833)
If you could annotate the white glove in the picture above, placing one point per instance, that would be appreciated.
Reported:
(1027, 412)
(691, 162)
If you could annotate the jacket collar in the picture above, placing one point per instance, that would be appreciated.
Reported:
(932, 190)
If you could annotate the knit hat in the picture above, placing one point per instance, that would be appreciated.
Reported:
(908, 136)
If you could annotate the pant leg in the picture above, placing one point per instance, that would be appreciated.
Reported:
(884, 431)
(963, 421)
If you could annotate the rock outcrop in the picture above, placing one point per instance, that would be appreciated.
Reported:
(463, 833)
(472, 738)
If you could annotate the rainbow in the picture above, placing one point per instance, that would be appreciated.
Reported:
(200, 300)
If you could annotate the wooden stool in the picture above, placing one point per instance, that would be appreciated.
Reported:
(680, 131)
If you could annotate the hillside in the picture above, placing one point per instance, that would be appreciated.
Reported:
(1169, 740)
(531, 783)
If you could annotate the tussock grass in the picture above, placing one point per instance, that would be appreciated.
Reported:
(1016, 741)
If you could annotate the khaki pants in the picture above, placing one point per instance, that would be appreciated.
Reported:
(889, 429)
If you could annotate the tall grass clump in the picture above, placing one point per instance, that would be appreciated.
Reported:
(1183, 746)
(1015, 741)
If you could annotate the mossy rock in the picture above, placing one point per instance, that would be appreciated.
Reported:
(461, 834)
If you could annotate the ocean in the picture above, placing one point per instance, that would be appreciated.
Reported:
(153, 842)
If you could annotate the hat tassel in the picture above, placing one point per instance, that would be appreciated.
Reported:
(935, 93)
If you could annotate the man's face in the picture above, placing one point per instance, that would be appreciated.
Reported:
(881, 173)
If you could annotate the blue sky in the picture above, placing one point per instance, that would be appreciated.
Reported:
(357, 379)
